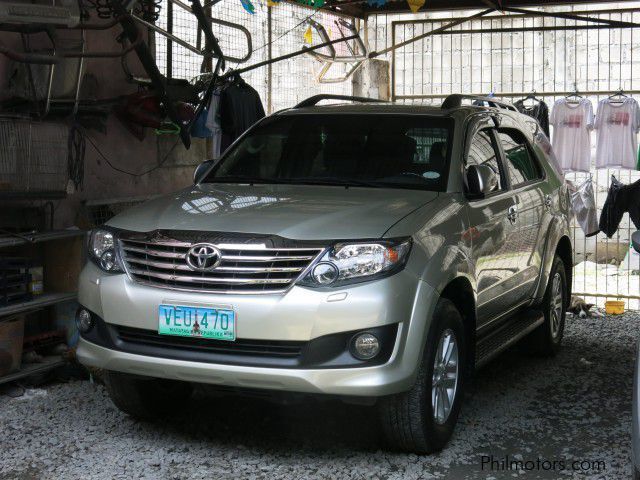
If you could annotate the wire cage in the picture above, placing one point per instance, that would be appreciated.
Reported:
(33, 157)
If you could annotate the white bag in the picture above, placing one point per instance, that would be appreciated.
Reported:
(583, 204)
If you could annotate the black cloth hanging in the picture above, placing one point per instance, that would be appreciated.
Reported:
(621, 199)
(539, 111)
(240, 107)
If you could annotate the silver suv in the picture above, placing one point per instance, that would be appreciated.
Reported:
(374, 253)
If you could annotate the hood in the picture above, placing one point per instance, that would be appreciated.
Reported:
(300, 212)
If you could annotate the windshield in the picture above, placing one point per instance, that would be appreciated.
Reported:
(379, 151)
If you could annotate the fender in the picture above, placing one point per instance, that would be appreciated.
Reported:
(558, 229)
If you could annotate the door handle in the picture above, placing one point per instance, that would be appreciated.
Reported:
(513, 214)
(548, 201)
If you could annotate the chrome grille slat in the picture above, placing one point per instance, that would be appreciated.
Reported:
(244, 267)
(246, 258)
(155, 253)
(174, 266)
(186, 278)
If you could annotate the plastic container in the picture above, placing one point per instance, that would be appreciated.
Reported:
(614, 307)
(11, 337)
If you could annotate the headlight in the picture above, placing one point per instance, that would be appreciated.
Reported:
(102, 250)
(358, 262)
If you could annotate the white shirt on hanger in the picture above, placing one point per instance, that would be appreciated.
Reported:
(572, 125)
(617, 125)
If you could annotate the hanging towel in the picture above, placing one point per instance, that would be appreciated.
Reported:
(583, 204)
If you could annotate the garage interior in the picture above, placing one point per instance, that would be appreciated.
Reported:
(103, 106)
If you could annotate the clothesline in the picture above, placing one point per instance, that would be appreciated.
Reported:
(555, 93)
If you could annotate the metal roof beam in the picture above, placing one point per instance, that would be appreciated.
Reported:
(432, 32)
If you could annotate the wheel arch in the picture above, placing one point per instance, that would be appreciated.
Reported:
(461, 293)
(565, 251)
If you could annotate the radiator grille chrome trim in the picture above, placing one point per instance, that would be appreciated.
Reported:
(251, 268)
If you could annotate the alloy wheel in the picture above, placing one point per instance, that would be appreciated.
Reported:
(445, 377)
(556, 304)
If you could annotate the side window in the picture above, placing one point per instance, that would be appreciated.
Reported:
(483, 152)
(520, 164)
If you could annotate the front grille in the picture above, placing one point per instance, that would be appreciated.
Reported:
(244, 268)
(262, 348)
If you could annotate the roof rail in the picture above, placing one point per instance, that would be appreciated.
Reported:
(311, 101)
(455, 100)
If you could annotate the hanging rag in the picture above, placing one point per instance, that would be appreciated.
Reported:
(584, 208)
(621, 199)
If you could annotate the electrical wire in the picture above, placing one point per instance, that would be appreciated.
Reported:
(132, 174)
(302, 22)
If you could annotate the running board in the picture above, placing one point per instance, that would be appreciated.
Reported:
(517, 327)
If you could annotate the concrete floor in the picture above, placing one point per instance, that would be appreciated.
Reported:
(574, 407)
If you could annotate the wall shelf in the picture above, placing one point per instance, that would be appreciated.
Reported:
(47, 364)
(36, 303)
(29, 239)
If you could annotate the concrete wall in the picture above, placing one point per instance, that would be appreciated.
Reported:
(122, 149)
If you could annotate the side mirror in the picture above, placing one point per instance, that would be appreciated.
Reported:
(201, 169)
(635, 241)
(481, 180)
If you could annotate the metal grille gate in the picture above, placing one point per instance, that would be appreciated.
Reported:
(511, 56)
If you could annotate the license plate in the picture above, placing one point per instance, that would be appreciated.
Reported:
(201, 322)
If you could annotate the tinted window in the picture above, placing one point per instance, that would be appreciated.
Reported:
(482, 152)
(521, 166)
(364, 150)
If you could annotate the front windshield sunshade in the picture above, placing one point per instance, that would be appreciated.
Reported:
(376, 151)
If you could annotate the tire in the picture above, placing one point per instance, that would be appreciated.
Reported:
(408, 419)
(546, 340)
(145, 397)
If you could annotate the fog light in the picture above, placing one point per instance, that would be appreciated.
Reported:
(84, 321)
(365, 346)
(325, 273)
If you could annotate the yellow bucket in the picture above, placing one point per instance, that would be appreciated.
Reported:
(614, 307)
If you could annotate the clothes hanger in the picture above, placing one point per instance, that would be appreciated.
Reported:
(618, 97)
(532, 96)
(575, 97)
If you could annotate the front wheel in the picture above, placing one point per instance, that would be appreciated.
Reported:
(422, 420)
(546, 340)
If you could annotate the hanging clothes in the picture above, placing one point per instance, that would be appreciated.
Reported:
(617, 124)
(621, 199)
(240, 108)
(572, 125)
(213, 123)
(199, 128)
(583, 205)
(539, 111)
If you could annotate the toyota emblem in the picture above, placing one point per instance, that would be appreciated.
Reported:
(203, 257)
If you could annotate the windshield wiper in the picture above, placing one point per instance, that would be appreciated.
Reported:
(239, 179)
(339, 182)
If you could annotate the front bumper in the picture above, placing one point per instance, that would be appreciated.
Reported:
(299, 315)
